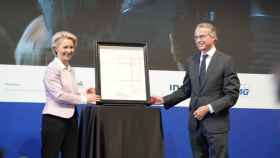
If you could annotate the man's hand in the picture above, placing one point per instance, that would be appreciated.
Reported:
(201, 112)
(156, 100)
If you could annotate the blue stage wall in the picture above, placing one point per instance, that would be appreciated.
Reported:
(254, 132)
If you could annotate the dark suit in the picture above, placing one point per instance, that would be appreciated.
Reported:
(220, 89)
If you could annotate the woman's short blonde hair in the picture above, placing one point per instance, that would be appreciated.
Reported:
(63, 35)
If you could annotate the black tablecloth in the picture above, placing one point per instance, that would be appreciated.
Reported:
(121, 132)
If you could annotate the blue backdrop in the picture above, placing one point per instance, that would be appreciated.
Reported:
(254, 132)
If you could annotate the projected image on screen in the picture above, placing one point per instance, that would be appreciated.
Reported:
(247, 30)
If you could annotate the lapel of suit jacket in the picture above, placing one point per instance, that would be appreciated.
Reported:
(210, 69)
(196, 60)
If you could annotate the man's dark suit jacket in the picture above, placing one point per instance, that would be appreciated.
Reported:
(220, 89)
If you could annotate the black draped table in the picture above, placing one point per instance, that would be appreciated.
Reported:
(121, 132)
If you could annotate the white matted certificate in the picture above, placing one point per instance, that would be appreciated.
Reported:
(122, 73)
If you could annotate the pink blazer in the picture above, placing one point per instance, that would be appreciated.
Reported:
(61, 90)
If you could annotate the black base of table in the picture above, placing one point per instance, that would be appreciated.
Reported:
(121, 132)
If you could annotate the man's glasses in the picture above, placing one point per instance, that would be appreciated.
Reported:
(200, 37)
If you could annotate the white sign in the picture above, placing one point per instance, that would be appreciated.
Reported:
(24, 84)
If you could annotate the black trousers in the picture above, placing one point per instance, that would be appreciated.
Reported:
(59, 135)
(208, 145)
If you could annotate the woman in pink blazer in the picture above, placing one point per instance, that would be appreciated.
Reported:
(59, 120)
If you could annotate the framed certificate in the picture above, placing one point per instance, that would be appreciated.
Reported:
(121, 73)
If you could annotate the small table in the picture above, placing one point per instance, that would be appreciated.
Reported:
(121, 132)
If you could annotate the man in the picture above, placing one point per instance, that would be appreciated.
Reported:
(213, 86)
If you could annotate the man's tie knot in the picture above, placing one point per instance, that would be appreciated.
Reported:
(204, 56)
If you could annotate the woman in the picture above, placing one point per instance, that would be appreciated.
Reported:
(59, 121)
